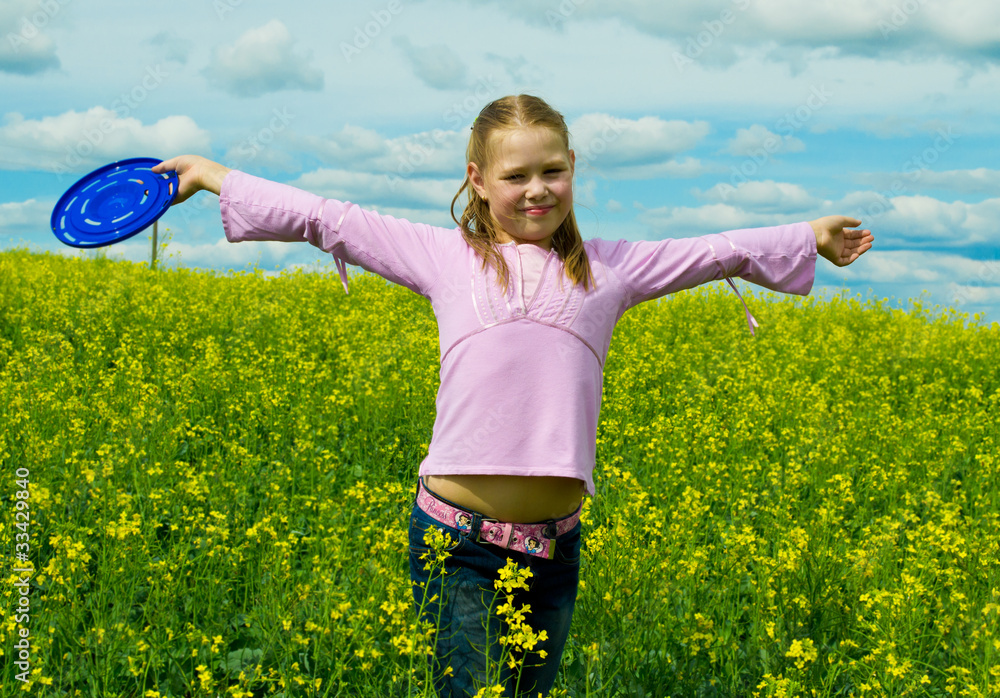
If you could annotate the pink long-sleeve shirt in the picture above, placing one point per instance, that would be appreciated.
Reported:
(522, 371)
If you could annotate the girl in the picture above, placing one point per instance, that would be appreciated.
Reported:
(526, 310)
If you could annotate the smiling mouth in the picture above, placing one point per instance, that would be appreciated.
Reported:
(538, 210)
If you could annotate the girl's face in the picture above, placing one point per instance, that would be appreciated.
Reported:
(529, 185)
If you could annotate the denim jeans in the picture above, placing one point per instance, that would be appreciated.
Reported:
(468, 630)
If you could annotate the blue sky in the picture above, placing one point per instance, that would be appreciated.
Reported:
(688, 117)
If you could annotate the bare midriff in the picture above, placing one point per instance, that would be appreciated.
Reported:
(511, 498)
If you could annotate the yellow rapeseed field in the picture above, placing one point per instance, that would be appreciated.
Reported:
(219, 472)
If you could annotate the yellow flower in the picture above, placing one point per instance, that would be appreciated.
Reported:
(803, 651)
(204, 676)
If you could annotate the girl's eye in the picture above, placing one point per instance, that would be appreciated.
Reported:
(555, 170)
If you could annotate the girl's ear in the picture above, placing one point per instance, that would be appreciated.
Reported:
(476, 180)
(572, 162)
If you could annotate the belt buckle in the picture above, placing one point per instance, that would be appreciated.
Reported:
(551, 533)
(499, 533)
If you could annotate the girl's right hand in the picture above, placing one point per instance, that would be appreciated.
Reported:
(838, 242)
(194, 174)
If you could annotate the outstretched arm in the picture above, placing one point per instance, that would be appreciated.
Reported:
(838, 243)
(252, 208)
(194, 174)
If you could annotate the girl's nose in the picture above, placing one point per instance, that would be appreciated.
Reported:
(535, 188)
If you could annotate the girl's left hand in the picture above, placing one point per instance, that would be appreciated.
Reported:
(838, 243)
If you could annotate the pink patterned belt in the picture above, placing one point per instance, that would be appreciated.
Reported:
(533, 539)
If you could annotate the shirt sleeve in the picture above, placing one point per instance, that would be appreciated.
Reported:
(409, 254)
(780, 258)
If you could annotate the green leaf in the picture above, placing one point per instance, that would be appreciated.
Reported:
(239, 660)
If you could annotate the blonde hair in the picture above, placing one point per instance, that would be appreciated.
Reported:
(479, 227)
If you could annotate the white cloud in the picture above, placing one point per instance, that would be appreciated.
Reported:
(606, 146)
(950, 277)
(429, 153)
(635, 148)
(23, 212)
(684, 221)
(437, 66)
(896, 266)
(685, 168)
(519, 70)
(26, 49)
(922, 220)
(172, 46)
(953, 280)
(77, 141)
(249, 156)
(440, 216)
(766, 196)
(351, 144)
(611, 140)
(713, 31)
(928, 218)
(263, 60)
(969, 24)
(888, 126)
(976, 181)
(908, 221)
(373, 190)
(20, 218)
(758, 139)
(584, 193)
(885, 267)
(223, 252)
(964, 293)
(217, 254)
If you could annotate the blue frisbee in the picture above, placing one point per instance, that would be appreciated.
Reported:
(113, 203)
